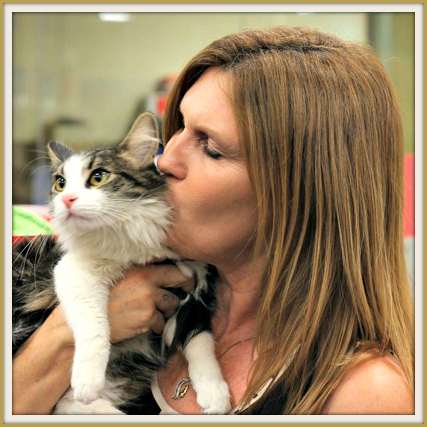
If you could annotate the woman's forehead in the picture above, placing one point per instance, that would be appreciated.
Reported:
(213, 79)
(205, 98)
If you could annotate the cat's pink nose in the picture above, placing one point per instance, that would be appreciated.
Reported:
(69, 199)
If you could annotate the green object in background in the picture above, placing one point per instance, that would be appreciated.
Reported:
(27, 223)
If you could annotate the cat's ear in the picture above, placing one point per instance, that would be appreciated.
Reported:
(58, 153)
(142, 141)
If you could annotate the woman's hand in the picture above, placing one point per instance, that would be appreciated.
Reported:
(138, 303)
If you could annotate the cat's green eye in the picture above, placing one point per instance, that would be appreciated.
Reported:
(98, 177)
(59, 183)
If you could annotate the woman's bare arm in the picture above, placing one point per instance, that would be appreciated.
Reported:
(41, 368)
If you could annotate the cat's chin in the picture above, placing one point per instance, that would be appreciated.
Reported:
(74, 222)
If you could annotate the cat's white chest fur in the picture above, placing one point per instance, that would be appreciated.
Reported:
(95, 259)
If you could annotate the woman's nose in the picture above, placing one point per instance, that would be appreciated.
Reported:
(171, 162)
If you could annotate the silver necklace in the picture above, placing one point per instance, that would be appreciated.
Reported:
(183, 386)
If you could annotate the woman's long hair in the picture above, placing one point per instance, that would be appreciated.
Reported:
(321, 134)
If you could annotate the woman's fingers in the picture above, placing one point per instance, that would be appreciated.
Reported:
(157, 322)
(166, 302)
(138, 303)
(165, 275)
(188, 286)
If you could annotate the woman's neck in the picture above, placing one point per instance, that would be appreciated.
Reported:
(237, 294)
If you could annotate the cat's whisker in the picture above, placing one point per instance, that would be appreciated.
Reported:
(26, 249)
(34, 161)
(41, 167)
(40, 251)
(107, 216)
(113, 214)
(42, 152)
(149, 193)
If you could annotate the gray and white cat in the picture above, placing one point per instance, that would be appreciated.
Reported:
(109, 207)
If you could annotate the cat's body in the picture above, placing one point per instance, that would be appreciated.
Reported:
(110, 209)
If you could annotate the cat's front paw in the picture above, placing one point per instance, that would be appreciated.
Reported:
(214, 397)
(67, 406)
(87, 385)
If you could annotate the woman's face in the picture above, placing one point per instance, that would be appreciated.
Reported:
(210, 191)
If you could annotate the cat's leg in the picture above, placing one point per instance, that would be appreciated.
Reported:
(194, 316)
(84, 297)
(205, 374)
(69, 406)
(199, 271)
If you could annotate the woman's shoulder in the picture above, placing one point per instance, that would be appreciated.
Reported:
(375, 384)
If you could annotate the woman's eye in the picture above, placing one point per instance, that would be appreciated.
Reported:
(59, 184)
(204, 141)
(98, 177)
(213, 154)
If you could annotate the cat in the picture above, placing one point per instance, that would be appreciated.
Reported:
(109, 207)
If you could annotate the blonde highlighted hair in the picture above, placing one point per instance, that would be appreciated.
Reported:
(321, 134)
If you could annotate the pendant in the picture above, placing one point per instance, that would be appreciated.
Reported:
(179, 391)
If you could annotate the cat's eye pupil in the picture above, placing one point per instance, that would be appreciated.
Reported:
(59, 183)
(98, 177)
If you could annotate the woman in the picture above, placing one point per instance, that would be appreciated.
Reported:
(284, 165)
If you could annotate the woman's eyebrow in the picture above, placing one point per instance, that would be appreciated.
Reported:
(204, 127)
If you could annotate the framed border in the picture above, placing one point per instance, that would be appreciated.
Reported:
(218, 6)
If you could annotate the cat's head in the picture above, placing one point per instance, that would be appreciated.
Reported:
(106, 186)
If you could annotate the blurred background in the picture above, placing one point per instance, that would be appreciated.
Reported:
(82, 78)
